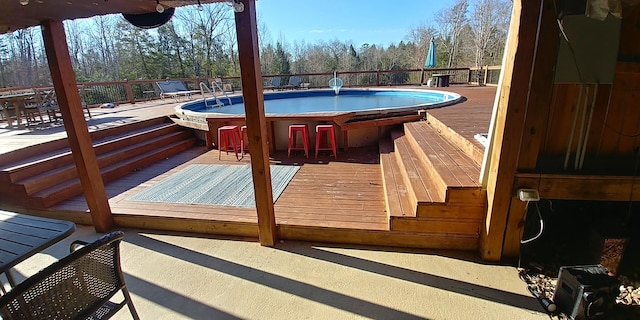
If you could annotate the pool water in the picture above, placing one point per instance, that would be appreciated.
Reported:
(314, 101)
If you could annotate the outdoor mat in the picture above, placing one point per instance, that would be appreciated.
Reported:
(223, 185)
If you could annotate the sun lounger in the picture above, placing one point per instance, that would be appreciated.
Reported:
(294, 83)
(275, 83)
(174, 88)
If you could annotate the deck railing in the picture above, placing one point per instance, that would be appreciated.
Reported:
(130, 91)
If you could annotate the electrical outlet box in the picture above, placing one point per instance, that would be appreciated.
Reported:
(528, 195)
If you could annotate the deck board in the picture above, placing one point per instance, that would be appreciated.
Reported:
(455, 168)
(397, 196)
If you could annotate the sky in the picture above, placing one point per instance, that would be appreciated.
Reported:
(380, 22)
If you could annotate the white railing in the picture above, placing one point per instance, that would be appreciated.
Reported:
(218, 103)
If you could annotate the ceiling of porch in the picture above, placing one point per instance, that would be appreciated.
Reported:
(14, 15)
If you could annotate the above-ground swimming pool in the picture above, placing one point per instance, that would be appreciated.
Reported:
(361, 115)
(360, 101)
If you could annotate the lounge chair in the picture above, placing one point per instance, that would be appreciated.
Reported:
(294, 83)
(174, 88)
(275, 83)
(79, 286)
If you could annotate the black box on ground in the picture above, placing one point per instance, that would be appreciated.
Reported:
(585, 292)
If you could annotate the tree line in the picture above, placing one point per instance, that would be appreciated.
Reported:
(202, 43)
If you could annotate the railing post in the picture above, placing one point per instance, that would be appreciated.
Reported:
(378, 78)
(486, 75)
(421, 76)
(469, 75)
(129, 91)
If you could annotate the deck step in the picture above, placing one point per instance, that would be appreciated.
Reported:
(42, 180)
(50, 178)
(71, 188)
(457, 226)
(38, 151)
(397, 198)
(429, 184)
(62, 158)
(473, 149)
(451, 170)
(417, 179)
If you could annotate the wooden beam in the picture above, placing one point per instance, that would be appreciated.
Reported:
(249, 56)
(536, 119)
(509, 123)
(381, 122)
(581, 187)
(515, 228)
(541, 91)
(64, 82)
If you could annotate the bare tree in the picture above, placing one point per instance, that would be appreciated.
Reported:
(206, 27)
(300, 61)
(77, 43)
(203, 43)
(103, 33)
(421, 36)
(452, 22)
(487, 22)
(24, 57)
(3, 61)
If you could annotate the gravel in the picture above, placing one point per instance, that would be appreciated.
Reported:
(543, 287)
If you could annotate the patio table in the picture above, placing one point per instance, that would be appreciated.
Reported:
(442, 80)
(22, 236)
(18, 101)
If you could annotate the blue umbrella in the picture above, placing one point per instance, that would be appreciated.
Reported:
(431, 55)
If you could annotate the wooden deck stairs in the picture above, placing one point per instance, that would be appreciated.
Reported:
(432, 184)
(44, 175)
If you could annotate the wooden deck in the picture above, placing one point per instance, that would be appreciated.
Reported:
(330, 200)
(324, 193)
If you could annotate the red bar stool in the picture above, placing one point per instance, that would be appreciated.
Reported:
(243, 134)
(331, 139)
(293, 133)
(228, 140)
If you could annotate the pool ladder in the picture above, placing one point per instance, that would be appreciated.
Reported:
(218, 103)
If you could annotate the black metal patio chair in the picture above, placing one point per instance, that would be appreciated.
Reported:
(78, 286)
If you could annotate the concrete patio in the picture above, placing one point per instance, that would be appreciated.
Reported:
(175, 276)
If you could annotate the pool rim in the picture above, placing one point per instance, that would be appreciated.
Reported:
(456, 98)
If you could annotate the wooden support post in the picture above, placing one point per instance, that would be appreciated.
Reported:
(509, 123)
(345, 140)
(536, 120)
(514, 228)
(271, 133)
(64, 82)
(129, 91)
(249, 56)
(209, 135)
